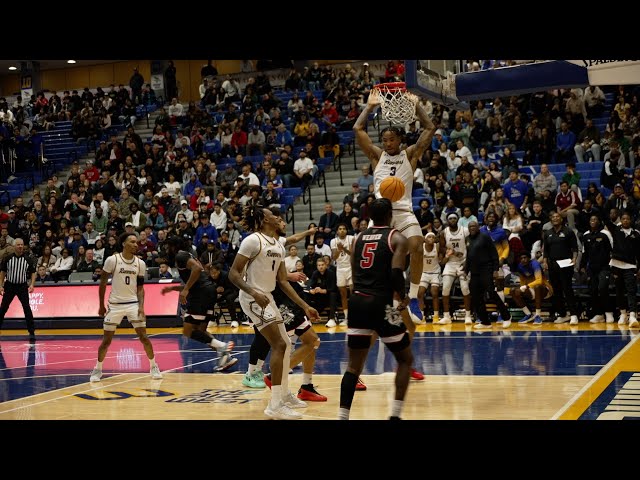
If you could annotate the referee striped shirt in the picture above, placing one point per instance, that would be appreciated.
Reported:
(18, 269)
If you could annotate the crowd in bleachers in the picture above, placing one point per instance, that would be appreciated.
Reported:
(195, 176)
(206, 162)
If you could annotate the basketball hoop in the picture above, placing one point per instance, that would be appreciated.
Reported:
(396, 106)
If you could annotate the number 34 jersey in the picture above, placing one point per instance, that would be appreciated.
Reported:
(265, 255)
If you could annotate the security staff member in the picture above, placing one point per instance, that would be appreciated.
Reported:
(17, 278)
(482, 263)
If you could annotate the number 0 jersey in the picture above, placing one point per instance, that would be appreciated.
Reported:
(124, 280)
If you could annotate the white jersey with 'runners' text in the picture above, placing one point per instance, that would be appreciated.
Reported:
(430, 260)
(458, 242)
(265, 254)
(124, 279)
(395, 166)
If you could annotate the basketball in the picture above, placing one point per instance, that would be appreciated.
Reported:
(392, 188)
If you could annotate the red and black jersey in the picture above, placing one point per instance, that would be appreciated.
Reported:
(372, 255)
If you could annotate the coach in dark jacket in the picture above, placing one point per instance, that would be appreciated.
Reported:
(482, 263)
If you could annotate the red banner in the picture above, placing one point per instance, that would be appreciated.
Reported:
(82, 301)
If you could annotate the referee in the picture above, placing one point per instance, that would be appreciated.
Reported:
(17, 278)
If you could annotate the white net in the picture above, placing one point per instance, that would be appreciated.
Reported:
(398, 106)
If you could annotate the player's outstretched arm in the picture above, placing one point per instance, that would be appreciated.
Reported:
(296, 237)
(415, 152)
(362, 137)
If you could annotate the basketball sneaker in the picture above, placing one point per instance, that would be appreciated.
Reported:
(506, 323)
(254, 380)
(96, 375)
(446, 320)
(360, 385)
(597, 319)
(537, 321)
(309, 394)
(282, 412)
(331, 323)
(291, 401)
(235, 324)
(633, 321)
(416, 375)
(415, 312)
(155, 372)
(226, 360)
(435, 319)
(526, 319)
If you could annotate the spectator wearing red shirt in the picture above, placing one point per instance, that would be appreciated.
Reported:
(568, 204)
(91, 172)
(239, 141)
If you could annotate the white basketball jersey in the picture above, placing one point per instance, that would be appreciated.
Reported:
(343, 262)
(430, 260)
(457, 242)
(265, 255)
(395, 166)
(124, 279)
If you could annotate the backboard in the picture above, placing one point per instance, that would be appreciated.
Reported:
(435, 80)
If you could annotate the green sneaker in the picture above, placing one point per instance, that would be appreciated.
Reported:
(254, 381)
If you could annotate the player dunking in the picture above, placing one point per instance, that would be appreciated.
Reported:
(392, 161)
(257, 266)
(198, 297)
(125, 300)
(377, 264)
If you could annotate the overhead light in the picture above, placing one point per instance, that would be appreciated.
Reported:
(71, 61)
(12, 68)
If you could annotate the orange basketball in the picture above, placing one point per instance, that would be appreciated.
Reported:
(392, 188)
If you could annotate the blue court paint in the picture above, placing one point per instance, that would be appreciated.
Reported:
(60, 361)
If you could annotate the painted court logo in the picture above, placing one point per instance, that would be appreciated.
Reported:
(216, 395)
(619, 401)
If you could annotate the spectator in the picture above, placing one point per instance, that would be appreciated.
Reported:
(565, 141)
(588, 142)
(545, 181)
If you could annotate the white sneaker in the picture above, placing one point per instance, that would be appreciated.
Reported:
(506, 323)
(344, 323)
(291, 401)
(622, 320)
(482, 326)
(96, 375)
(574, 320)
(282, 412)
(331, 323)
(468, 320)
(598, 319)
(235, 324)
(446, 320)
(226, 360)
(211, 324)
(633, 322)
(609, 317)
(562, 319)
(155, 372)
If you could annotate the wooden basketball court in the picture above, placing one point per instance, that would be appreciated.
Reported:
(549, 372)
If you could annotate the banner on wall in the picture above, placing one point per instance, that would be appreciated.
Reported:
(157, 82)
(81, 301)
(26, 95)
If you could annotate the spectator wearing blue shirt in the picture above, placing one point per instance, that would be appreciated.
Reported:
(190, 186)
(515, 190)
(438, 138)
(205, 227)
(565, 141)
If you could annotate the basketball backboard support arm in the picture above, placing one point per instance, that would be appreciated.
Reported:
(435, 80)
